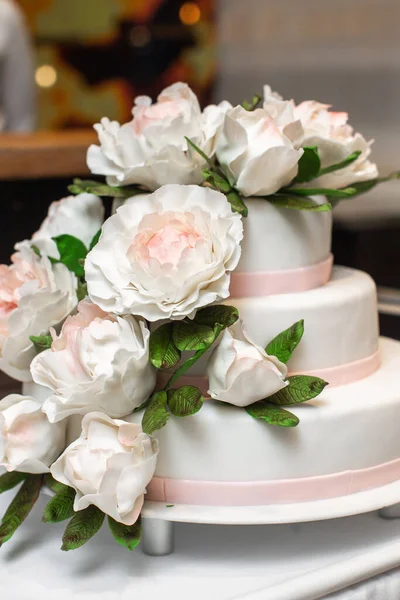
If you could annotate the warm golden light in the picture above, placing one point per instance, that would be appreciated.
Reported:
(189, 13)
(45, 76)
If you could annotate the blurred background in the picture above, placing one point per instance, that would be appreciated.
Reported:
(67, 63)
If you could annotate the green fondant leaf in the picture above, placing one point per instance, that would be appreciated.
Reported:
(156, 414)
(127, 536)
(41, 342)
(185, 401)
(54, 485)
(297, 203)
(81, 290)
(200, 152)
(283, 345)
(60, 507)
(309, 165)
(20, 507)
(219, 182)
(163, 352)
(10, 480)
(347, 192)
(95, 239)
(192, 336)
(362, 187)
(101, 189)
(273, 415)
(300, 389)
(82, 527)
(237, 203)
(72, 252)
(217, 315)
(253, 103)
(340, 165)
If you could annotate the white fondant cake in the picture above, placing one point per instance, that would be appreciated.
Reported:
(344, 311)
(349, 427)
(347, 434)
(277, 239)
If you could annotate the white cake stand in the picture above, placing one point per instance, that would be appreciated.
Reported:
(159, 517)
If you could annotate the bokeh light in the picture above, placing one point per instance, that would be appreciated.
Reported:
(45, 76)
(139, 36)
(189, 13)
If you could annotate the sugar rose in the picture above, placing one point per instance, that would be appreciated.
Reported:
(151, 150)
(109, 466)
(240, 372)
(98, 362)
(166, 254)
(28, 442)
(260, 149)
(80, 216)
(335, 140)
(34, 296)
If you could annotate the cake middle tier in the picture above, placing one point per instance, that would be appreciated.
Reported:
(340, 321)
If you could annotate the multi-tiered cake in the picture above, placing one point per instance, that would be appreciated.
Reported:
(347, 439)
(197, 346)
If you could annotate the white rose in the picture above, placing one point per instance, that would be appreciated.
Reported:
(80, 216)
(28, 442)
(34, 296)
(109, 466)
(151, 150)
(336, 140)
(240, 372)
(166, 254)
(259, 149)
(98, 362)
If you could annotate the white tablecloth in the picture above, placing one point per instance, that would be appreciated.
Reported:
(279, 562)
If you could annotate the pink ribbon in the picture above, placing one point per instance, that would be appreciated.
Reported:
(264, 283)
(284, 491)
(340, 375)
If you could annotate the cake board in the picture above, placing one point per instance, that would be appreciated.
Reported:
(159, 517)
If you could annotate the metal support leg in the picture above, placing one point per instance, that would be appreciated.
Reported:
(158, 537)
(390, 512)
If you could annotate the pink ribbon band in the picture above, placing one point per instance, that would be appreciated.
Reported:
(246, 285)
(261, 493)
(340, 375)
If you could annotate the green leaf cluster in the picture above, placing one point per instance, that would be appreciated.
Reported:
(197, 335)
(216, 178)
(309, 169)
(166, 346)
(300, 388)
(86, 523)
(184, 401)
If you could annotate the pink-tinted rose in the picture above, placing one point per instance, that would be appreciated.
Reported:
(34, 296)
(98, 362)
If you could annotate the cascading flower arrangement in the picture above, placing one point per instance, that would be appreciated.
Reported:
(93, 310)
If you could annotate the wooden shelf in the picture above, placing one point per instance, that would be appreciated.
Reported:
(45, 154)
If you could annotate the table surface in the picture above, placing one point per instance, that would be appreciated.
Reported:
(279, 562)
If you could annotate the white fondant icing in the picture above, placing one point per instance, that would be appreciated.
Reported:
(340, 321)
(349, 427)
(280, 238)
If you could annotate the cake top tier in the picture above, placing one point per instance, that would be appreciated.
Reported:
(280, 239)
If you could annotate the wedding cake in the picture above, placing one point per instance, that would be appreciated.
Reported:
(198, 347)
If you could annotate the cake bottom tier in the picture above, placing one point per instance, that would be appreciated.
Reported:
(347, 441)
